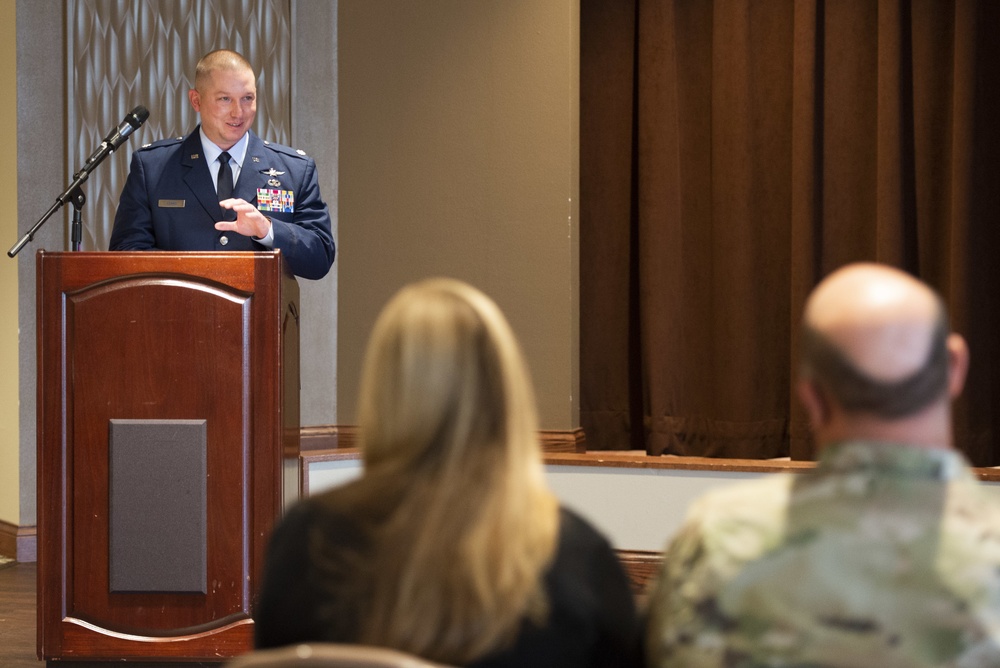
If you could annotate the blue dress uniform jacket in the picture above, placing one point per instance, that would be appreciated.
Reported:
(169, 203)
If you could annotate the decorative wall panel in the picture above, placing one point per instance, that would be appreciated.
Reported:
(123, 53)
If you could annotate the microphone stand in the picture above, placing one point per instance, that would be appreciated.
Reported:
(73, 193)
(79, 199)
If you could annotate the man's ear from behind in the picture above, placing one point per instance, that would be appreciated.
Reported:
(958, 364)
(814, 399)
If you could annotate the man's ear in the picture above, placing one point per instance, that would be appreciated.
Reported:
(958, 364)
(195, 99)
(814, 401)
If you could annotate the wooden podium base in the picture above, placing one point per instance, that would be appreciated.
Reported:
(168, 399)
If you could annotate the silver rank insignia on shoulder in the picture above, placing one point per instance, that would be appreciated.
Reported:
(300, 151)
(271, 172)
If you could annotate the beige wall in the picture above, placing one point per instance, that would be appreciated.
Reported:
(9, 444)
(458, 157)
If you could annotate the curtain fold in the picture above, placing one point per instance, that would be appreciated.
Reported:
(732, 154)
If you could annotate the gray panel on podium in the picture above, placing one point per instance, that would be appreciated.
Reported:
(158, 515)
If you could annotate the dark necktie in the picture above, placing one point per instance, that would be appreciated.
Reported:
(224, 186)
(225, 182)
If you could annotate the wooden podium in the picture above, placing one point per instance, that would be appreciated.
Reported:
(168, 391)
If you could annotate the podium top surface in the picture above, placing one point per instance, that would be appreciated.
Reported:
(239, 269)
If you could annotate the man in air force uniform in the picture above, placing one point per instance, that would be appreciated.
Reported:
(222, 188)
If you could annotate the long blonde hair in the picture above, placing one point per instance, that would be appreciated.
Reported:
(449, 431)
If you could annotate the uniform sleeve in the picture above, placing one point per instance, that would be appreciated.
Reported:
(307, 240)
(133, 228)
(683, 626)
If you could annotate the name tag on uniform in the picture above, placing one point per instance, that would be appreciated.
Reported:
(171, 204)
(282, 201)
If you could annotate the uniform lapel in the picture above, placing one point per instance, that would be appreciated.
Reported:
(197, 177)
(249, 181)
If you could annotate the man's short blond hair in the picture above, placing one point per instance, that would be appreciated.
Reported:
(220, 59)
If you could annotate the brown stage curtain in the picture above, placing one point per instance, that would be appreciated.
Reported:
(732, 153)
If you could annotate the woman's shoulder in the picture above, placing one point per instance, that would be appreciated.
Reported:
(329, 512)
(576, 530)
(582, 551)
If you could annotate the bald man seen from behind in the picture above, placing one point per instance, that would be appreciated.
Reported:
(888, 553)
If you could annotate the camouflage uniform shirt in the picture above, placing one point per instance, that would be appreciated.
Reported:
(885, 555)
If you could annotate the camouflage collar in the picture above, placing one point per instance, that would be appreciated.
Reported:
(893, 459)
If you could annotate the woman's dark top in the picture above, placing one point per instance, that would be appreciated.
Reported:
(592, 619)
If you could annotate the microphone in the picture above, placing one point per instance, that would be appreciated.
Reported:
(129, 124)
(116, 138)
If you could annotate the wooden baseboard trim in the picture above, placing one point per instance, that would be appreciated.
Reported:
(19, 542)
(563, 440)
(8, 540)
(642, 568)
(328, 437)
(336, 437)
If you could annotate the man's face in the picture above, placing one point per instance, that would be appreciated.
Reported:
(227, 102)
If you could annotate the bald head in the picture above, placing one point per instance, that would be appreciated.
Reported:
(876, 339)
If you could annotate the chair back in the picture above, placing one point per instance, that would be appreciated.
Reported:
(330, 655)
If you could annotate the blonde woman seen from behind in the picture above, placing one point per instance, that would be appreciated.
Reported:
(450, 546)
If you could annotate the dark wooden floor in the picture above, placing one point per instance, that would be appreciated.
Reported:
(17, 616)
(17, 625)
